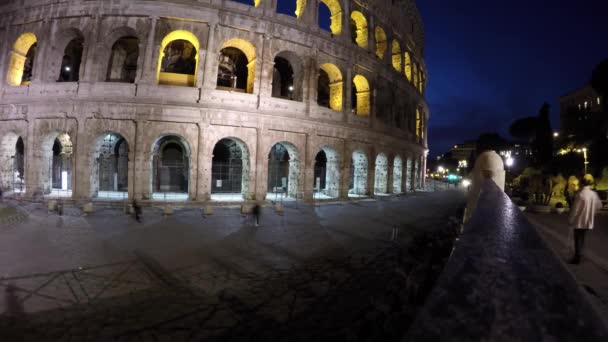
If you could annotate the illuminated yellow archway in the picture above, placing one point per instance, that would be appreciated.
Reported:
(408, 65)
(396, 50)
(336, 16)
(363, 95)
(381, 42)
(361, 28)
(18, 58)
(415, 75)
(335, 85)
(418, 124)
(300, 7)
(173, 78)
(420, 79)
(249, 50)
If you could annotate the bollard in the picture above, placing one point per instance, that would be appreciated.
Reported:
(208, 210)
(88, 208)
(168, 210)
(280, 209)
(246, 209)
(52, 205)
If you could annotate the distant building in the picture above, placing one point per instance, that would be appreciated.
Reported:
(465, 150)
(581, 115)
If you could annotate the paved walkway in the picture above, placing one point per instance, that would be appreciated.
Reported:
(316, 271)
(592, 273)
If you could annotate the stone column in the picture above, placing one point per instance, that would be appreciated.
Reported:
(390, 167)
(261, 161)
(348, 88)
(309, 168)
(371, 171)
(149, 67)
(311, 15)
(143, 172)
(81, 169)
(371, 39)
(32, 163)
(313, 77)
(205, 161)
(345, 172)
(209, 81)
(266, 69)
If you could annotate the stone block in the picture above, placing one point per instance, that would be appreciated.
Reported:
(168, 210)
(52, 205)
(208, 210)
(246, 208)
(280, 209)
(88, 208)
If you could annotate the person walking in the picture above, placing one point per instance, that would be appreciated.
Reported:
(582, 212)
(256, 214)
(137, 210)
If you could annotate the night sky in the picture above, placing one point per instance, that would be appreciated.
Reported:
(490, 62)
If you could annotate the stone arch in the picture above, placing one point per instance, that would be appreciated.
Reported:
(71, 44)
(397, 175)
(359, 31)
(12, 162)
(283, 171)
(236, 69)
(381, 174)
(415, 74)
(178, 59)
(396, 55)
(123, 60)
(381, 42)
(21, 63)
(358, 174)
(110, 166)
(335, 15)
(57, 170)
(292, 8)
(408, 65)
(230, 170)
(327, 173)
(287, 76)
(361, 96)
(170, 168)
(330, 87)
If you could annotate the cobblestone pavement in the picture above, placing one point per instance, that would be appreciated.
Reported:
(331, 272)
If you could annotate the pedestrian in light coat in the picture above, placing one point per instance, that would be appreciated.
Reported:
(582, 212)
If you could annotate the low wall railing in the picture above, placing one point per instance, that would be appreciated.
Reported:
(503, 283)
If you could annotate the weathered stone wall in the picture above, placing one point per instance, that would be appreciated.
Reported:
(144, 111)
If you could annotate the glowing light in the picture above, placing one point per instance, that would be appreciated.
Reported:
(555, 134)
(290, 88)
(509, 162)
(466, 183)
(67, 68)
(440, 169)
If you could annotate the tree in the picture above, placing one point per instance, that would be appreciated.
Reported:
(524, 128)
(599, 79)
(543, 140)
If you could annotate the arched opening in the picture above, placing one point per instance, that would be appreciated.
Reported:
(330, 16)
(229, 170)
(396, 53)
(283, 172)
(21, 64)
(178, 59)
(408, 175)
(358, 175)
(236, 70)
(327, 174)
(170, 165)
(418, 125)
(415, 74)
(408, 66)
(70, 63)
(416, 173)
(12, 164)
(359, 33)
(397, 175)
(292, 8)
(57, 176)
(381, 42)
(110, 167)
(381, 175)
(287, 76)
(420, 78)
(329, 87)
(123, 60)
(361, 96)
(254, 3)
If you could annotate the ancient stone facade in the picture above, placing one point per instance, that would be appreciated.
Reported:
(211, 99)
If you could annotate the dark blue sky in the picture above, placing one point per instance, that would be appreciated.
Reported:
(492, 61)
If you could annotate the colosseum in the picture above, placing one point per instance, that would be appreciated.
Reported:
(211, 100)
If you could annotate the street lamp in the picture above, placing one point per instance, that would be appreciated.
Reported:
(585, 156)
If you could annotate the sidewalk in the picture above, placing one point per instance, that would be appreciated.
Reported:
(592, 272)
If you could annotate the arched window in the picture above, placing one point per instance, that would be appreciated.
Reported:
(420, 79)
(329, 87)
(396, 53)
(178, 60)
(230, 170)
(361, 96)
(415, 75)
(408, 65)
(123, 60)
(330, 12)
(381, 42)
(287, 76)
(170, 168)
(236, 70)
(418, 124)
(70, 64)
(292, 8)
(21, 64)
(283, 171)
(358, 31)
